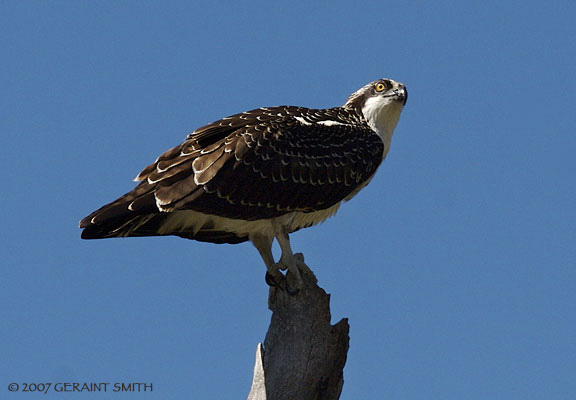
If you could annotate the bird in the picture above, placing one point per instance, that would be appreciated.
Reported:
(259, 176)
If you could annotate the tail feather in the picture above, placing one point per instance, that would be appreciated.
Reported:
(135, 214)
(140, 225)
(137, 202)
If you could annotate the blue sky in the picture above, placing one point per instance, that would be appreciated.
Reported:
(456, 266)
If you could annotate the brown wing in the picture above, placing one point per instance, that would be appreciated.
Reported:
(271, 165)
(258, 164)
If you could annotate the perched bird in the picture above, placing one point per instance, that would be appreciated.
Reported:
(259, 176)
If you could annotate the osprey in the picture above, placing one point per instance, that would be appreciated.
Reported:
(259, 176)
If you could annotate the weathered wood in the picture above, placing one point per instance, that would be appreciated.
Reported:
(304, 355)
(258, 389)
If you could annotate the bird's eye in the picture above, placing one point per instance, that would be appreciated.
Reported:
(380, 87)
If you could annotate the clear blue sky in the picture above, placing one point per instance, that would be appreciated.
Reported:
(456, 266)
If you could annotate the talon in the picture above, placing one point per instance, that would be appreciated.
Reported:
(293, 283)
(275, 279)
(270, 281)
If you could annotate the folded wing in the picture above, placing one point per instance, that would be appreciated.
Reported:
(251, 166)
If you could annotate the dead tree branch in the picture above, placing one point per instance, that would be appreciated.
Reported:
(304, 355)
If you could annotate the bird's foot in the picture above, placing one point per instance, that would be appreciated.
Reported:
(292, 280)
(280, 281)
(274, 278)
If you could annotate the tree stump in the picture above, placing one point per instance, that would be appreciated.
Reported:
(304, 355)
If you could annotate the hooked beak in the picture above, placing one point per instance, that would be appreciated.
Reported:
(401, 93)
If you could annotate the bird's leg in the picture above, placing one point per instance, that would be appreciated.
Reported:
(287, 260)
(263, 244)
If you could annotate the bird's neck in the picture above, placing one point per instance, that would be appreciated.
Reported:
(383, 120)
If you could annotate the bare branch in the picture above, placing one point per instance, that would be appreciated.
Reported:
(304, 355)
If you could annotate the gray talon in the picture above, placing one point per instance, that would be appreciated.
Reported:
(270, 281)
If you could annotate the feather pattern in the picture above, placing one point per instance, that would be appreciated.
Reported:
(259, 176)
(255, 165)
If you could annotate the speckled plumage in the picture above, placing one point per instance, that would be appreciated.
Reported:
(290, 164)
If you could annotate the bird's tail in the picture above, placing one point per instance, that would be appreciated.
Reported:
(134, 214)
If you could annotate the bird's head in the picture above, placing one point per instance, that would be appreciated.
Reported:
(378, 94)
(380, 103)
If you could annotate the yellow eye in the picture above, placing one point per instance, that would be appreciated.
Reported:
(380, 87)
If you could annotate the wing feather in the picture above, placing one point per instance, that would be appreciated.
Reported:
(215, 164)
(259, 164)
